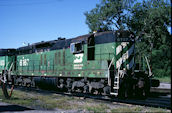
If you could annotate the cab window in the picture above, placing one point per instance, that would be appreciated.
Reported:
(76, 47)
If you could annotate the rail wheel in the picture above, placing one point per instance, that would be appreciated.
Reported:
(126, 90)
(143, 88)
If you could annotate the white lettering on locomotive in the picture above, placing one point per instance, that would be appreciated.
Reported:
(23, 62)
(78, 66)
(78, 58)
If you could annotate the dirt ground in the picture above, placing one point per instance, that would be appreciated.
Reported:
(35, 102)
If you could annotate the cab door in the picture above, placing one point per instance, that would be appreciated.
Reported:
(91, 48)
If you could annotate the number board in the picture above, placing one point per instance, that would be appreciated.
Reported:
(124, 40)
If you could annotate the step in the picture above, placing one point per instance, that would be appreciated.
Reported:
(116, 79)
(112, 93)
(115, 87)
(10, 83)
(116, 82)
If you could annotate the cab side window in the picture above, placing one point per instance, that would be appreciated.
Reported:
(77, 47)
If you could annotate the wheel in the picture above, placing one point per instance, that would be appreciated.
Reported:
(86, 89)
(146, 88)
(125, 89)
(143, 88)
(106, 90)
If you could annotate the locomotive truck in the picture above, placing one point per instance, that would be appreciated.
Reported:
(102, 62)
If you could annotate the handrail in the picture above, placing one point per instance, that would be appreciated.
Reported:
(150, 72)
(7, 65)
(11, 66)
(109, 72)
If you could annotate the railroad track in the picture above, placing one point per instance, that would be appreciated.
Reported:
(163, 88)
(155, 100)
(150, 101)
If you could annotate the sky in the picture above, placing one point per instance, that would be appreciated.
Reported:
(31, 21)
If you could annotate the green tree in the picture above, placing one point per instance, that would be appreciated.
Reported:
(108, 15)
(150, 20)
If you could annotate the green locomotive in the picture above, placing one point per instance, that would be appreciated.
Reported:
(101, 62)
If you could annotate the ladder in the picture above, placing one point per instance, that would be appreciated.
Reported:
(116, 84)
(6, 75)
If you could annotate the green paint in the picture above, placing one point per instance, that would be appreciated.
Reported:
(5, 62)
(64, 63)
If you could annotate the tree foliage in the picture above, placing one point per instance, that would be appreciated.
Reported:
(149, 20)
(108, 15)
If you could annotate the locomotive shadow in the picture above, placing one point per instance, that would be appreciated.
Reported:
(13, 108)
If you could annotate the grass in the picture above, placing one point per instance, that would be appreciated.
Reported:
(164, 79)
(124, 109)
(97, 108)
(18, 98)
(138, 109)
(39, 101)
(51, 101)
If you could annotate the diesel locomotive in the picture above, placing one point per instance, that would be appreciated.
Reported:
(102, 62)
